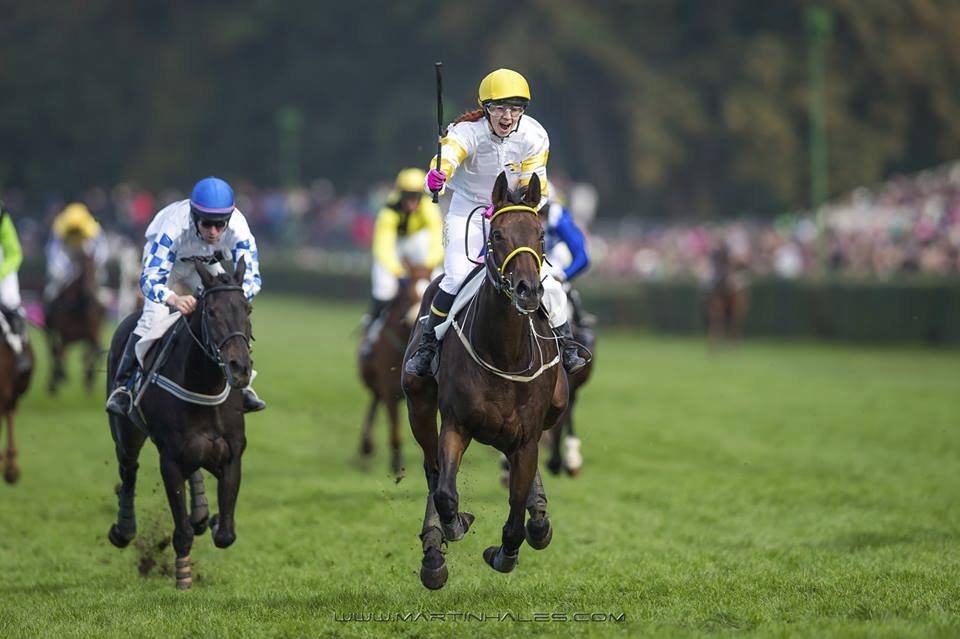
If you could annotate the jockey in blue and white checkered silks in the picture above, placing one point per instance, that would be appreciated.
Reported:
(207, 228)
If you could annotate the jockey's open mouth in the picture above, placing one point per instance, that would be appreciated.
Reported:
(503, 125)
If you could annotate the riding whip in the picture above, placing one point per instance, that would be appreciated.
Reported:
(438, 66)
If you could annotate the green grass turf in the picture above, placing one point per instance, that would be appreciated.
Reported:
(779, 490)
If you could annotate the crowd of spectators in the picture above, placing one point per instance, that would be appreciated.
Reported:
(908, 225)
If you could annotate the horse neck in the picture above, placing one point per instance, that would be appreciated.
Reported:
(195, 370)
(500, 335)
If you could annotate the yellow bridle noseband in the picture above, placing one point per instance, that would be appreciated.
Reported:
(538, 255)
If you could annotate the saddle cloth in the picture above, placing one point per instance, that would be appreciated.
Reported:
(157, 331)
(464, 295)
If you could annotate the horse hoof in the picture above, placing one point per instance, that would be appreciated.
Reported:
(185, 584)
(366, 448)
(573, 472)
(200, 527)
(117, 538)
(539, 533)
(11, 474)
(555, 466)
(498, 560)
(433, 570)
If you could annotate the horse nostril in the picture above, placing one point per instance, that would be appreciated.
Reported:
(236, 368)
(522, 289)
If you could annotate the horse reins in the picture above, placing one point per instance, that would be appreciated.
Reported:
(212, 351)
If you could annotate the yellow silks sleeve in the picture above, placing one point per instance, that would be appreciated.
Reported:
(453, 152)
(10, 241)
(385, 240)
(536, 162)
(434, 224)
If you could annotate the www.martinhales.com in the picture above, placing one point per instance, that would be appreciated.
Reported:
(534, 617)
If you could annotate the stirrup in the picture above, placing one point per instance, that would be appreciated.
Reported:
(252, 402)
(113, 402)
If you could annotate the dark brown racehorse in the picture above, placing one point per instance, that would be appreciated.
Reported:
(380, 367)
(507, 333)
(557, 436)
(210, 350)
(75, 315)
(12, 386)
(727, 299)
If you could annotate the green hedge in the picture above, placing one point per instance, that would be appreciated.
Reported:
(862, 311)
(916, 311)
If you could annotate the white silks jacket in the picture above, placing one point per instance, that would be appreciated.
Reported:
(472, 157)
(173, 245)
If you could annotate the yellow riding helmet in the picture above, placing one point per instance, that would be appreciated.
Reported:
(76, 220)
(503, 84)
(410, 181)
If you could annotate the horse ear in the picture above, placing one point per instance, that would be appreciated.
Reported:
(500, 189)
(240, 269)
(532, 196)
(206, 277)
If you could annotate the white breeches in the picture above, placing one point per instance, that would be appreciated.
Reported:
(152, 312)
(10, 291)
(456, 265)
(414, 248)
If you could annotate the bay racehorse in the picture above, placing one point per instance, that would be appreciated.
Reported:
(380, 365)
(726, 300)
(13, 385)
(209, 363)
(75, 315)
(499, 381)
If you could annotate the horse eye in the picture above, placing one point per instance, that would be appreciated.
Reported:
(497, 235)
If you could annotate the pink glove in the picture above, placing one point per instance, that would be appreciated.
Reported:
(488, 212)
(436, 180)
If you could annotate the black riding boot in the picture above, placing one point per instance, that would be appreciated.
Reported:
(19, 326)
(251, 401)
(121, 399)
(572, 361)
(369, 320)
(419, 364)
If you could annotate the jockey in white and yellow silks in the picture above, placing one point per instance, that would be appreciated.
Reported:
(478, 146)
(75, 234)
(408, 232)
(11, 257)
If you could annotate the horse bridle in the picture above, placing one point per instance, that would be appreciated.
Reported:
(497, 274)
(210, 349)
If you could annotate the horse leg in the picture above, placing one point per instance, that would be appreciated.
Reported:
(572, 459)
(228, 487)
(539, 530)
(523, 467)
(90, 363)
(455, 524)
(11, 470)
(366, 440)
(555, 463)
(422, 411)
(128, 442)
(174, 483)
(56, 359)
(396, 457)
(199, 508)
